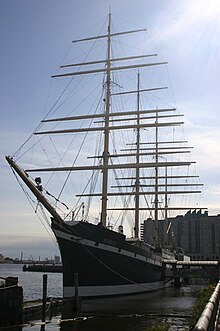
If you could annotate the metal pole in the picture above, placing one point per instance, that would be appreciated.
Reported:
(137, 179)
(106, 132)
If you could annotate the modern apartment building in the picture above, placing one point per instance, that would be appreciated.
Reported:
(197, 233)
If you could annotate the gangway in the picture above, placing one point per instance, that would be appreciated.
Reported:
(187, 270)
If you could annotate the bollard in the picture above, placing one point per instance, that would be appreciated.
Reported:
(44, 300)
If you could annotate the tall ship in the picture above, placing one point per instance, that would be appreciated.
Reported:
(108, 156)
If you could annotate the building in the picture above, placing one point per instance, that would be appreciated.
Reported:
(2, 259)
(197, 233)
(57, 259)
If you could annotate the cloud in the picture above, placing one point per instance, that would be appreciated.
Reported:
(13, 245)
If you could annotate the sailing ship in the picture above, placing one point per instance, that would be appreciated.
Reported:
(121, 185)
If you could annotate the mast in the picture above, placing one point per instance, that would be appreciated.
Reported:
(111, 120)
(166, 197)
(166, 231)
(156, 203)
(106, 131)
(137, 179)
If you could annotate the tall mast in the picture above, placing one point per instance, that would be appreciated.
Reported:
(106, 131)
(156, 203)
(137, 179)
(166, 197)
(166, 231)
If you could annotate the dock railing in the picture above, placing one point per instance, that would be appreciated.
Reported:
(209, 318)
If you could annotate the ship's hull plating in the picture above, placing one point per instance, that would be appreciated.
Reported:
(106, 264)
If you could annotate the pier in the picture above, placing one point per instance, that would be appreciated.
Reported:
(188, 271)
(43, 267)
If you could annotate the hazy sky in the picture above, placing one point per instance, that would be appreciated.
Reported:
(35, 35)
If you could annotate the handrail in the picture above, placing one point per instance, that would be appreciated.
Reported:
(207, 319)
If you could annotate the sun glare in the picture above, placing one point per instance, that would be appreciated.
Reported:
(199, 10)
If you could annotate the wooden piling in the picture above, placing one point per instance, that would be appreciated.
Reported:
(76, 283)
(11, 303)
(44, 299)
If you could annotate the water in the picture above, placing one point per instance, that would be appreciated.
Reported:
(129, 313)
(137, 312)
(32, 282)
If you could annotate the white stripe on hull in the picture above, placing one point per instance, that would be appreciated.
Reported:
(90, 243)
(92, 291)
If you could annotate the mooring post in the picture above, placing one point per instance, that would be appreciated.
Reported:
(76, 284)
(44, 300)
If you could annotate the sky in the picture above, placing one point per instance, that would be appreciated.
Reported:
(35, 35)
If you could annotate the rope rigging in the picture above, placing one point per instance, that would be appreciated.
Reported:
(57, 200)
(34, 205)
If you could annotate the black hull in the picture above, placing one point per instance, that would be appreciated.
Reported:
(106, 264)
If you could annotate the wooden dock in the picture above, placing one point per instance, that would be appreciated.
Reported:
(43, 268)
(11, 300)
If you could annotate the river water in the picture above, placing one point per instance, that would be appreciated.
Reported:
(32, 282)
(129, 313)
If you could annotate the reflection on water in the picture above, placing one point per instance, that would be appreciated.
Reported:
(131, 313)
(165, 301)
(109, 323)
(137, 312)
